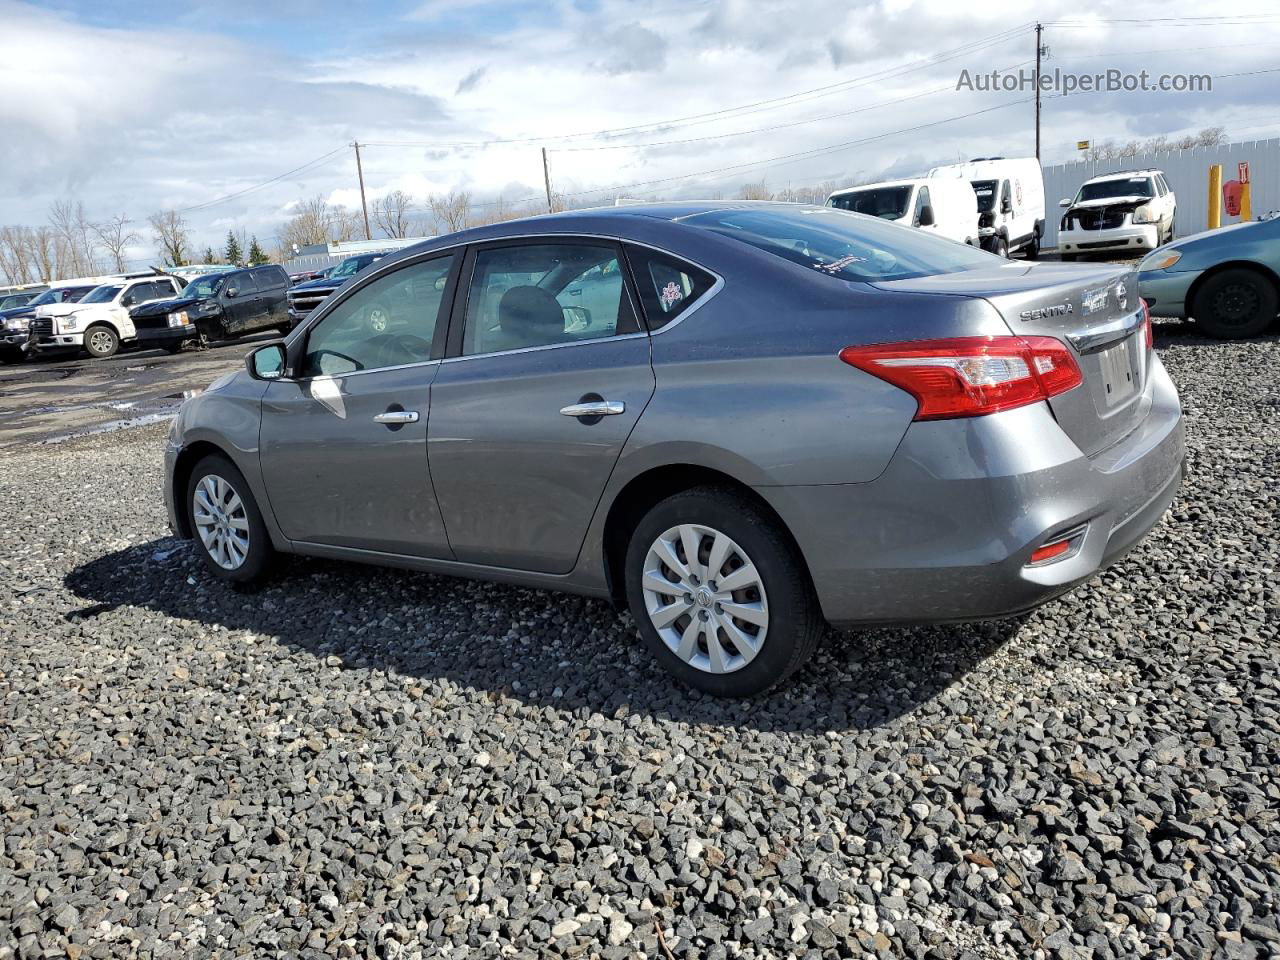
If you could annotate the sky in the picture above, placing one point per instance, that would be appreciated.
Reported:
(234, 112)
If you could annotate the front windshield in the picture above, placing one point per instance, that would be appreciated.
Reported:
(846, 245)
(346, 268)
(887, 203)
(986, 192)
(1108, 189)
(207, 286)
(103, 294)
(49, 296)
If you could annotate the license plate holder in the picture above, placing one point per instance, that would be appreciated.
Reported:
(1119, 372)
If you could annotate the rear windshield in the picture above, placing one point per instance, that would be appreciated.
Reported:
(850, 246)
(887, 203)
(985, 190)
(1105, 189)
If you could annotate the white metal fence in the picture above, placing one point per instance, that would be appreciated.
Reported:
(1188, 174)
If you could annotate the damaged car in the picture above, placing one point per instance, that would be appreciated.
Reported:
(1128, 210)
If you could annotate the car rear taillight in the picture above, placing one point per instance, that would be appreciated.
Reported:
(971, 376)
(1146, 324)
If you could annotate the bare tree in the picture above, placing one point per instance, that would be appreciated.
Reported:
(391, 214)
(345, 224)
(42, 246)
(16, 264)
(755, 191)
(75, 234)
(1211, 137)
(116, 236)
(172, 235)
(452, 211)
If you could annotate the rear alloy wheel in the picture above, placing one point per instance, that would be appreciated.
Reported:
(226, 522)
(1235, 304)
(720, 594)
(101, 342)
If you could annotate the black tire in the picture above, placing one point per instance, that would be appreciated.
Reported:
(1070, 257)
(1000, 247)
(260, 554)
(795, 622)
(174, 347)
(9, 358)
(1032, 249)
(100, 341)
(1235, 304)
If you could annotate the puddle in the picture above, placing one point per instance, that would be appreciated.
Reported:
(111, 426)
(56, 373)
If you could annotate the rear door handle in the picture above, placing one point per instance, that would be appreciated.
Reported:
(594, 408)
(397, 416)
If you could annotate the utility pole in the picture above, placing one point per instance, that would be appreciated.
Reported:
(364, 204)
(1039, 51)
(546, 177)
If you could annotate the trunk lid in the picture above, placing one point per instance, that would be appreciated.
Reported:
(1095, 311)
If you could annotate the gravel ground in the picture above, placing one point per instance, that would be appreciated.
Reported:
(364, 763)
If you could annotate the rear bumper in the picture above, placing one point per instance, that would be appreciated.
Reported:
(1134, 237)
(946, 532)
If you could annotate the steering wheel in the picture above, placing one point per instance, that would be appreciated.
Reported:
(398, 348)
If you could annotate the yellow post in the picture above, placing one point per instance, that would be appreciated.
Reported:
(1215, 196)
(1246, 204)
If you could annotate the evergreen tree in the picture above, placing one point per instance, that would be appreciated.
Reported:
(256, 254)
(235, 256)
(209, 255)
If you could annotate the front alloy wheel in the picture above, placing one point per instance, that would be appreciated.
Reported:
(226, 522)
(720, 592)
(101, 342)
(221, 522)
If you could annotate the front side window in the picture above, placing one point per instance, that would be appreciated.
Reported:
(386, 323)
(922, 201)
(667, 286)
(242, 284)
(535, 295)
(843, 245)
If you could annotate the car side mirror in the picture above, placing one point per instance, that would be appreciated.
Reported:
(1006, 206)
(127, 301)
(1064, 202)
(926, 215)
(232, 292)
(267, 362)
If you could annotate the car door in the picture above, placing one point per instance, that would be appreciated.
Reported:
(344, 437)
(548, 371)
(272, 283)
(242, 303)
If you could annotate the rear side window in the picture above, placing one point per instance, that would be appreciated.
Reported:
(846, 246)
(243, 282)
(269, 277)
(667, 286)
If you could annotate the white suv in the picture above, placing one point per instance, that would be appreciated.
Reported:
(1129, 210)
(100, 321)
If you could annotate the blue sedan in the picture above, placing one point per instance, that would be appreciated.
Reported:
(1227, 280)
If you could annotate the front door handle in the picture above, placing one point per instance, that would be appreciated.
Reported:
(594, 408)
(397, 416)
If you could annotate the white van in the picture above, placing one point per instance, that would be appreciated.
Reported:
(947, 207)
(1010, 201)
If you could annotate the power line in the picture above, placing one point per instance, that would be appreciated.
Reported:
(780, 126)
(802, 155)
(204, 205)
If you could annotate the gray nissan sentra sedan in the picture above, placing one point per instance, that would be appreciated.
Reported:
(741, 419)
